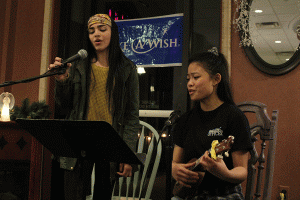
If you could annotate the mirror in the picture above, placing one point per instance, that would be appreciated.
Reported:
(270, 34)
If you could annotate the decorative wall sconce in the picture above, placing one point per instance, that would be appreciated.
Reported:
(7, 102)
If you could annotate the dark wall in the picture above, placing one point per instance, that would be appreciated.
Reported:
(206, 25)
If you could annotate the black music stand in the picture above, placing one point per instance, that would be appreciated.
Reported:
(80, 138)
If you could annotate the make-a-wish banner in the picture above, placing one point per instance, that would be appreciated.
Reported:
(153, 42)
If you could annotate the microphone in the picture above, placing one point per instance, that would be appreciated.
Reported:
(82, 54)
(173, 118)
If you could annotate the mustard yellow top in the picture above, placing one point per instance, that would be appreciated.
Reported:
(98, 99)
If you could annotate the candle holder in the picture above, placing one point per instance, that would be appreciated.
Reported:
(7, 102)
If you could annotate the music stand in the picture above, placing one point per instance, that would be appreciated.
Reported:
(80, 138)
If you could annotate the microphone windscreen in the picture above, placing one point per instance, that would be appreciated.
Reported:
(82, 53)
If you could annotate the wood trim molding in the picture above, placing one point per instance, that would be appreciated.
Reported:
(43, 87)
(226, 32)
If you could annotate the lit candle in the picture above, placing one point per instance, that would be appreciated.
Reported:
(5, 110)
(7, 102)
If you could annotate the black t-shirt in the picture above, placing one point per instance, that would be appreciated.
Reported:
(196, 129)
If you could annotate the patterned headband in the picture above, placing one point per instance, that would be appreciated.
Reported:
(99, 18)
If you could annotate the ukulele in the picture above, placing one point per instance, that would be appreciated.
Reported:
(216, 151)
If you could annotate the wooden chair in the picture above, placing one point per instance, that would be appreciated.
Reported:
(143, 180)
(266, 128)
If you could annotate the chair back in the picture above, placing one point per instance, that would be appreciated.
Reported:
(266, 128)
(142, 181)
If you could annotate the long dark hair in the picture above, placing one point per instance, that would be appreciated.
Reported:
(214, 64)
(116, 57)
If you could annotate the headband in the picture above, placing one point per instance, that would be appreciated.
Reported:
(99, 18)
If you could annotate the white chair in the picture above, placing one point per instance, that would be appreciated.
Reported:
(142, 180)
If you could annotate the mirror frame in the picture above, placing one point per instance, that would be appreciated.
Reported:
(253, 56)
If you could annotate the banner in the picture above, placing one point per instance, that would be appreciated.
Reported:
(153, 42)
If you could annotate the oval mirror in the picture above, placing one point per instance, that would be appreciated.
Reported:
(272, 32)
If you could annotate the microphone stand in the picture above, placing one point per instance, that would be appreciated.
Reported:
(168, 159)
(60, 70)
(168, 152)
